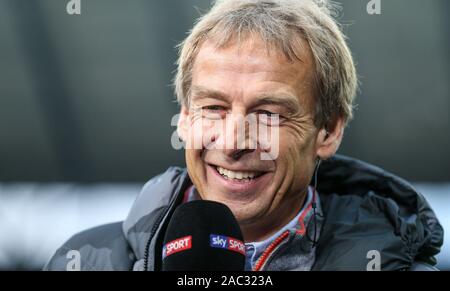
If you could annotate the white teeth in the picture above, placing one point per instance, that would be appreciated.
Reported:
(238, 175)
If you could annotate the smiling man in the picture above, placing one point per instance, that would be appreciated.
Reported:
(231, 82)
(285, 65)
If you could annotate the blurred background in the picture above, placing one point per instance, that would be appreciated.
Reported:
(86, 105)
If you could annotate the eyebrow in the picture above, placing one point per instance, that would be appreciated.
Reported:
(201, 92)
(288, 101)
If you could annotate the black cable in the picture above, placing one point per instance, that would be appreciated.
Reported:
(314, 205)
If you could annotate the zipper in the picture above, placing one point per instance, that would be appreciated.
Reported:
(159, 221)
(271, 249)
(279, 241)
(152, 234)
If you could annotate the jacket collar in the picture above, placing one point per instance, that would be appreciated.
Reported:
(364, 207)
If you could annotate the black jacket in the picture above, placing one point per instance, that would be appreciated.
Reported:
(365, 210)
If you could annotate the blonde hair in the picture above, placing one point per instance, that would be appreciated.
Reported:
(280, 23)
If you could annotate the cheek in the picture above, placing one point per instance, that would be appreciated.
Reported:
(194, 136)
(202, 133)
(298, 137)
(296, 158)
(192, 163)
(196, 169)
(293, 145)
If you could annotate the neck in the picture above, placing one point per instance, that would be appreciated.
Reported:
(267, 226)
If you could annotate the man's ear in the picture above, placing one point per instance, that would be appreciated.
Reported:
(329, 138)
(183, 123)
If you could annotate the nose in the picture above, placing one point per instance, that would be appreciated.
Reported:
(239, 138)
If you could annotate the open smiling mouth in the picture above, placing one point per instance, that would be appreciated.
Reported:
(238, 176)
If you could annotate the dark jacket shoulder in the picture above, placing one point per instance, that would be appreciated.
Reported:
(99, 248)
(369, 213)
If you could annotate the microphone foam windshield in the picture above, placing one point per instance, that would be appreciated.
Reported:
(203, 236)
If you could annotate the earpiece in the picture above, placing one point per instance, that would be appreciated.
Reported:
(326, 133)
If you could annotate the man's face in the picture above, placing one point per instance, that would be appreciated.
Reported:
(241, 81)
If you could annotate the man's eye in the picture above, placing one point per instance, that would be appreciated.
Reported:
(269, 118)
(213, 108)
(266, 113)
(213, 112)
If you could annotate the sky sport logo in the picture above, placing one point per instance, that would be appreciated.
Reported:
(177, 245)
(225, 242)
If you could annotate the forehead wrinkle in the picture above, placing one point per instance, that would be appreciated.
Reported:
(245, 58)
